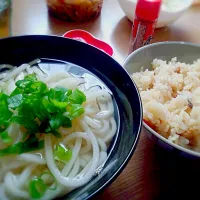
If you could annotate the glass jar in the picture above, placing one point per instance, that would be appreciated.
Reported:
(196, 2)
(75, 10)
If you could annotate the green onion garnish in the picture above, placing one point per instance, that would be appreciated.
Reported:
(39, 110)
(61, 153)
(77, 97)
(31, 144)
(5, 137)
(37, 186)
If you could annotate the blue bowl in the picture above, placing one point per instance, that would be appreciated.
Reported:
(185, 52)
(23, 49)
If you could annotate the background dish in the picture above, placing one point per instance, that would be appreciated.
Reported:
(185, 52)
(23, 49)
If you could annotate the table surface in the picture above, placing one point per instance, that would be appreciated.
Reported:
(152, 173)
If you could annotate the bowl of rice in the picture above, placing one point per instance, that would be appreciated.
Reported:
(167, 75)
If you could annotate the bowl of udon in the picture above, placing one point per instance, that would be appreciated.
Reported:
(70, 118)
(168, 81)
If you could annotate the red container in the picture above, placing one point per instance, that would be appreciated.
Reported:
(146, 15)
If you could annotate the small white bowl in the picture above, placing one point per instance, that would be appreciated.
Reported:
(167, 16)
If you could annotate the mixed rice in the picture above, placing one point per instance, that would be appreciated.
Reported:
(171, 100)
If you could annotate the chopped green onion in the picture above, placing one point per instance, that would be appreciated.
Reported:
(37, 188)
(75, 110)
(48, 105)
(5, 137)
(4, 110)
(38, 110)
(14, 149)
(58, 120)
(77, 97)
(61, 153)
(3, 97)
(28, 123)
(15, 101)
(22, 83)
(16, 91)
(31, 144)
(63, 90)
(60, 105)
(31, 77)
(54, 132)
(59, 97)
(58, 94)
(36, 87)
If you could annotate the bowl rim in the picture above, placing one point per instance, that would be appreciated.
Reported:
(138, 132)
(127, 60)
(157, 44)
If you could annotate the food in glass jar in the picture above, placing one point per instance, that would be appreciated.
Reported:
(75, 10)
(196, 2)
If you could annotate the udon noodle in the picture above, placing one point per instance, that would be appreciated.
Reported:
(88, 138)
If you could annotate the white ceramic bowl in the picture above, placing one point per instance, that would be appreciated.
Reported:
(166, 16)
(185, 52)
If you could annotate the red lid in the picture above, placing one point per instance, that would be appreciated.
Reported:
(148, 9)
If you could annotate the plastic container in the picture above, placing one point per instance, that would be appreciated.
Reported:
(145, 19)
(75, 10)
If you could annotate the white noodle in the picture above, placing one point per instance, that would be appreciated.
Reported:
(75, 153)
(56, 77)
(21, 180)
(15, 72)
(110, 134)
(3, 75)
(86, 157)
(19, 77)
(103, 114)
(37, 71)
(29, 70)
(3, 66)
(88, 139)
(11, 186)
(11, 86)
(86, 148)
(92, 122)
(70, 83)
(103, 157)
(83, 162)
(31, 158)
(75, 169)
(78, 180)
(13, 165)
(2, 192)
(102, 144)
(104, 128)
(91, 96)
